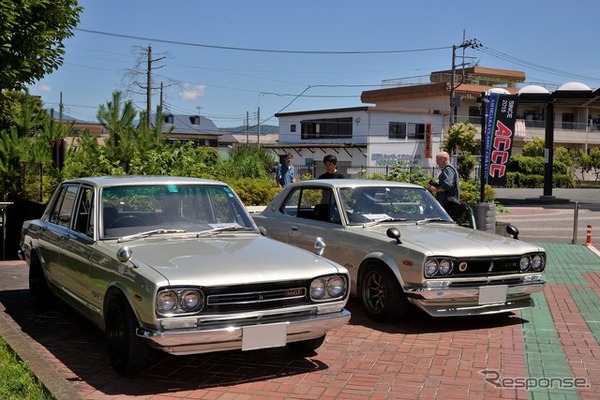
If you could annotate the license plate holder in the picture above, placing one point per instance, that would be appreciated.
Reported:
(264, 336)
(492, 294)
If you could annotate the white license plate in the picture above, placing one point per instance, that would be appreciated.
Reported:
(264, 336)
(492, 294)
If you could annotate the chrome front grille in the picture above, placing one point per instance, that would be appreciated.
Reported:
(493, 266)
(256, 297)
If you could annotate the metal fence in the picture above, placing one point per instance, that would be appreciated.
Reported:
(365, 172)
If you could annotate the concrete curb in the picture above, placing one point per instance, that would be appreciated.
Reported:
(20, 343)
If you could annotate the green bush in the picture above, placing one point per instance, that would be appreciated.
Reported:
(254, 192)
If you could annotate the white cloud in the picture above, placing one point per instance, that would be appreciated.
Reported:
(44, 88)
(192, 92)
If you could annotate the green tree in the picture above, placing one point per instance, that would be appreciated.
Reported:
(31, 36)
(128, 143)
(20, 109)
(535, 148)
(460, 140)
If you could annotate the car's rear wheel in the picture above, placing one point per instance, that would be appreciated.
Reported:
(307, 346)
(127, 353)
(381, 294)
(40, 293)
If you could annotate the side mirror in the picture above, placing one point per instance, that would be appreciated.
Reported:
(319, 246)
(513, 231)
(393, 233)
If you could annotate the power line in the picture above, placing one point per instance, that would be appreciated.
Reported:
(249, 49)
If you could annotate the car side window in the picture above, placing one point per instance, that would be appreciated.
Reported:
(84, 222)
(62, 214)
(312, 203)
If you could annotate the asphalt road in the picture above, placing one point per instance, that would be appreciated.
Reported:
(562, 218)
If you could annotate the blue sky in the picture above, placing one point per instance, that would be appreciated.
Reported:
(224, 59)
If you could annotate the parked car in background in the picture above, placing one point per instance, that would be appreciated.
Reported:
(177, 264)
(401, 247)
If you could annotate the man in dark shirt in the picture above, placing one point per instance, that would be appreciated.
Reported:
(330, 162)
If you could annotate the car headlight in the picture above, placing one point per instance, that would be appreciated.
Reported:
(189, 300)
(179, 301)
(431, 267)
(524, 263)
(328, 287)
(445, 266)
(336, 286)
(317, 289)
(166, 302)
(538, 262)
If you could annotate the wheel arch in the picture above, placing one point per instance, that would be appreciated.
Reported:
(378, 258)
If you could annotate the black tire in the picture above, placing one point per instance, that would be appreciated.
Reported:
(381, 294)
(41, 296)
(307, 346)
(127, 353)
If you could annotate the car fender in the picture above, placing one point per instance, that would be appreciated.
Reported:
(382, 258)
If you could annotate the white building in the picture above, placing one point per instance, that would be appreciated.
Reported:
(409, 122)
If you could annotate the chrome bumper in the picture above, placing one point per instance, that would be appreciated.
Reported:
(490, 299)
(247, 337)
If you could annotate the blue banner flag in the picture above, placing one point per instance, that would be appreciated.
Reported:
(499, 134)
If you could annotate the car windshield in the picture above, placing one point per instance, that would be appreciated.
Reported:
(170, 209)
(369, 205)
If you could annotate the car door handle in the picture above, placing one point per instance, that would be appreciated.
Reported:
(295, 227)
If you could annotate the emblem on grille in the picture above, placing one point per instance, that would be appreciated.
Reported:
(294, 292)
(462, 267)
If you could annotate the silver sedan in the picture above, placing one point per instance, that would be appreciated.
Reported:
(401, 247)
(178, 265)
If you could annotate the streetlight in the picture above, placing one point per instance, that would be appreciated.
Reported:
(473, 44)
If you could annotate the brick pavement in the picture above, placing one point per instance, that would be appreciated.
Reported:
(555, 344)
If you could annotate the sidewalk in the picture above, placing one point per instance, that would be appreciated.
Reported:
(553, 350)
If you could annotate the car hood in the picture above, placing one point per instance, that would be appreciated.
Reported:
(228, 260)
(450, 239)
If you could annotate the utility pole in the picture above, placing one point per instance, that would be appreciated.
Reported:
(258, 128)
(149, 86)
(247, 127)
(473, 44)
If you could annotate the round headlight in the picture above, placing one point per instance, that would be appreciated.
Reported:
(336, 286)
(166, 301)
(317, 289)
(524, 263)
(537, 262)
(190, 300)
(431, 267)
(445, 267)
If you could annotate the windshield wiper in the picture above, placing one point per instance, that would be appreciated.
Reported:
(390, 219)
(434, 219)
(222, 229)
(150, 233)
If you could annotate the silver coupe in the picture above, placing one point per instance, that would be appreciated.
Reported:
(177, 264)
(401, 247)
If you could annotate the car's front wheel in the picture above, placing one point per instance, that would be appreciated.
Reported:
(307, 346)
(127, 353)
(381, 294)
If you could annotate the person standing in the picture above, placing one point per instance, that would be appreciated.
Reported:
(447, 188)
(284, 174)
(330, 162)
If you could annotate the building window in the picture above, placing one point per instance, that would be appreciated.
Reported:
(397, 130)
(293, 128)
(568, 121)
(330, 128)
(416, 131)
(474, 115)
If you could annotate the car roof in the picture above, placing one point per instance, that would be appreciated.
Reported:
(357, 183)
(126, 180)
